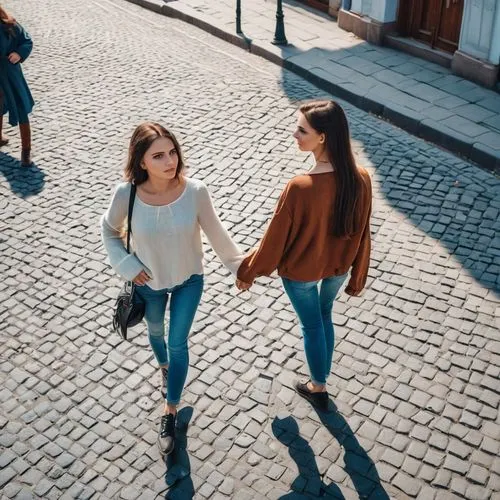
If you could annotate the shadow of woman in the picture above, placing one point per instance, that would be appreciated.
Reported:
(358, 464)
(23, 181)
(178, 474)
(309, 483)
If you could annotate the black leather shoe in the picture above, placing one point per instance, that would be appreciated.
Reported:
(166, 434)
(317, 399)
(164, 376)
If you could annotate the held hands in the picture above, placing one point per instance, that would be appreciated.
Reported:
(241, 285)
(141, 279)
(14, 57)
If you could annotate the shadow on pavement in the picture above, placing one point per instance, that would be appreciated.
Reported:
(23, 181)
(441, 199)
(178, 474)
(358, 465)
(309, 482)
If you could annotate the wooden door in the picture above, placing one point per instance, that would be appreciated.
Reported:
(317, 4)
(435, 22)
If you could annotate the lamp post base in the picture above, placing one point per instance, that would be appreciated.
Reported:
(279, 33)
(280, 41)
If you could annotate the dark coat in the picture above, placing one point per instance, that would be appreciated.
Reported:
(17, 99)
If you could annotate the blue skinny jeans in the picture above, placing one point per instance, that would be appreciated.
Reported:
(313, 303)
(173, 352)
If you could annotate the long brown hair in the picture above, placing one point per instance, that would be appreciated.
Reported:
(5, 17)
(8, 21)
(327, 117)
(142, 138)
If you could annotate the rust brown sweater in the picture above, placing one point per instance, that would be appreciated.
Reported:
(299, 243)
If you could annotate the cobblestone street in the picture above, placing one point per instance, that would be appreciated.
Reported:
(417, 360)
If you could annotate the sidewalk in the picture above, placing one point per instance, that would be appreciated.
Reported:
(421, 97)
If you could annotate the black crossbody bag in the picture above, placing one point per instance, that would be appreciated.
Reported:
(129, 307)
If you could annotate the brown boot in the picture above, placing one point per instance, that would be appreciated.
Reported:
(25, 130)
(26, 158)
(3, 140)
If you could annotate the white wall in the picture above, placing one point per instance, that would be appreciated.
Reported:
(357, 6)
(383, 11)
(495, 39)
(479, 23)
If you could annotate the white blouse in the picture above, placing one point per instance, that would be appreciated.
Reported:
(166, 239)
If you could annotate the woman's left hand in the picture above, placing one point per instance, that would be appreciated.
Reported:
(14, 57)
(353, 293)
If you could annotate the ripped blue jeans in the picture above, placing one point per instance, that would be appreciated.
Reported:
(173, 352)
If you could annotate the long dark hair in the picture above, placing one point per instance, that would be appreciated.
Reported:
(327, 117)
(142, 138)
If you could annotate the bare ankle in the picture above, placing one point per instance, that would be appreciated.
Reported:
(170, 409)
(313, 387)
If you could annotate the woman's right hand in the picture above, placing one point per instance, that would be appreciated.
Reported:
(141, 279)
(241, 285)
(14, 57)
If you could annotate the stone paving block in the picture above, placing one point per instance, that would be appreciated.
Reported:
(464, 126)
(475, 492)
(442, 479)
(451, 102)
(455, 465)
(478, 474)
(6, 475)
(407, 484)
(493, 121)
(491, 141)
(475, 113)
(393, 458)
(439, 131)
(361, 65)
(426, 92)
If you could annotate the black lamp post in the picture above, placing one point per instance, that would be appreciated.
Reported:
(238, 17)
(279, 34)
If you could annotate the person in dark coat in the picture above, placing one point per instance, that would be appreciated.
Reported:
(15, 95)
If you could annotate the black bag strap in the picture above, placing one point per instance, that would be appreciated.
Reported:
(131, 200)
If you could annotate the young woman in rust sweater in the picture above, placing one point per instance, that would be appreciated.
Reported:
(320, 230)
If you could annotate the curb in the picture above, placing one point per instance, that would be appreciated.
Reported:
(411, 122)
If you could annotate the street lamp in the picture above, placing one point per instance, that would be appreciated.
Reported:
(279, 34)
(238, 17)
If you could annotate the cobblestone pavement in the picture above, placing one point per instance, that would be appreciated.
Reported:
(415, 378)
(424, 98)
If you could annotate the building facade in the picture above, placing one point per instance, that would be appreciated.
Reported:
(462, 34)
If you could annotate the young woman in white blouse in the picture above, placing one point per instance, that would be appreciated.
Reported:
(169, 211)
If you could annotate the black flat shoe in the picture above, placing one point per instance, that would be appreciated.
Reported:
(164, 376)
(317, 399)
(166, 434)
